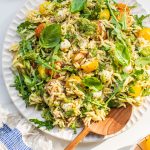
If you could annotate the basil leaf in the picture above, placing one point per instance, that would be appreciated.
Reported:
(92, 83)
(121, 54)
(77, 5)
(143, 61)
(50, 36)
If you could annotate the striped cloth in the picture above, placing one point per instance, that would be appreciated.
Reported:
(12, 139)
(16, 133)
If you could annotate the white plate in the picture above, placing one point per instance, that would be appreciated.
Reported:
(29, 113)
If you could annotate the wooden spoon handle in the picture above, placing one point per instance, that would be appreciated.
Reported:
(77, 140)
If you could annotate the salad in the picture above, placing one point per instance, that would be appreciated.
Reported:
(77, 59)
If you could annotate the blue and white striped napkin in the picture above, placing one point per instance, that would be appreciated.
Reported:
(18, 134)
(11, 139)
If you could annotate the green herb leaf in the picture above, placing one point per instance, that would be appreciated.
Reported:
(26, 29)
(92, 14)
(138, 73)
(77, 5)
(47, 124)
(21, 87)
(121, 54)
(30, 56)
(50, 36)
(139, 20)
(146, 92)
(145, 51)
(45, 64)
(69, 113)
(93, 83)
(74, 127)
(86, 26)
(142, 61)
(47, 115)
(113, 104)
(25, 46)
(124, 21)
(70, 69)
(27, 80)
(116, 90)
(89, 99)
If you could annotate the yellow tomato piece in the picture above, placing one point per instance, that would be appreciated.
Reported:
(43, 7)
(148, 143)
(73, 79)
(145, 33)
(104, 14)
(137, 89)
(145, 143)
(42, 71)
(90, 66)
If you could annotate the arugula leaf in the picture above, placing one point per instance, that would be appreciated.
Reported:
(142, 61)
(25, 46)
(116, 90)
(137, 73)
(89, 99)
(50, 36)
(48, 124)
(139, 20)
(124, 21)
(27, 80)
(93, 83)
(54, 56)
(47, 115)
(70, 69)
(69, 113)
(21, 87)
(111, 12)
(30, 56)
(26, 29)
(117, 30)
(45, 64)
(121, 54)
(77, 5)
(74, 127)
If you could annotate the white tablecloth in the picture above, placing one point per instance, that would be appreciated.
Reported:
(123, 141)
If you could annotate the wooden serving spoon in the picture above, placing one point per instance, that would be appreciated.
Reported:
(114, 122)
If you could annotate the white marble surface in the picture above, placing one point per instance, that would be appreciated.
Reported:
(123, 141)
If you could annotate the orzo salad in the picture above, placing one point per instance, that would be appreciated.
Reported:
(77, 59)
